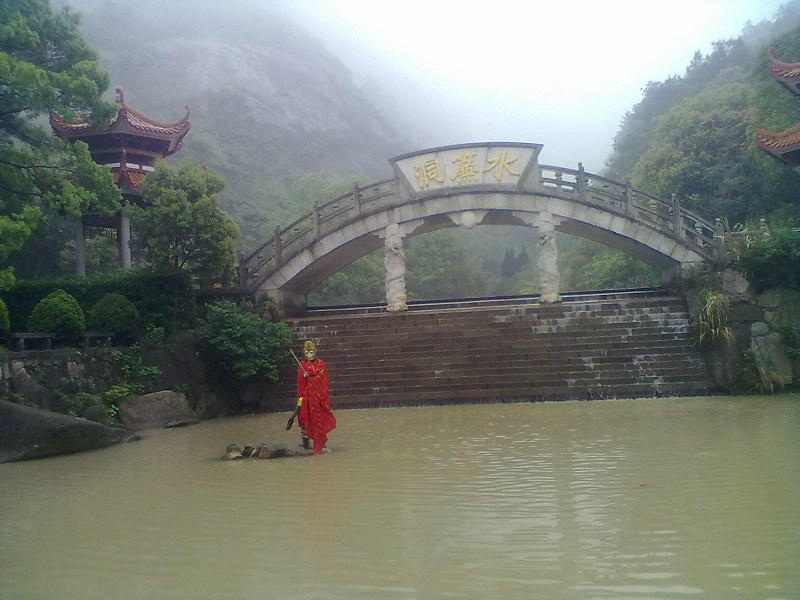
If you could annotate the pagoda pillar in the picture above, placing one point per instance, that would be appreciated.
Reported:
(124, 241)
(80, 247)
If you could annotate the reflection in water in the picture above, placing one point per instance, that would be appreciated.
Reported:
(615, 499)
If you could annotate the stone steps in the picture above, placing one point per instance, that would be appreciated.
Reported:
(628, 345)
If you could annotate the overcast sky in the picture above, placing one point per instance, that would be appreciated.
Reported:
(558, 73)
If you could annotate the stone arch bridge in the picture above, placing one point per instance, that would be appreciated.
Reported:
(468, 185)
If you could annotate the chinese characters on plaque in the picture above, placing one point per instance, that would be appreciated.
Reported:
(466, 165)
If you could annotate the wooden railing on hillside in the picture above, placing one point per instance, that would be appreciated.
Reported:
(666, 216)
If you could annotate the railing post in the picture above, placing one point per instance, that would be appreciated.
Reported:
(356, 199)
(629, 198)
(720, 245)
(278, 247)
(315, 217)
(583, 188)
(677, 220)
(241, 273)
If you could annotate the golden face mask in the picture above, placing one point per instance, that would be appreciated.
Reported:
(310, 350)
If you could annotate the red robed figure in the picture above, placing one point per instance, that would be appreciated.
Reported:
(316, 417)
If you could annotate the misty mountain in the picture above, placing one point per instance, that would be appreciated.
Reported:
(268, 103)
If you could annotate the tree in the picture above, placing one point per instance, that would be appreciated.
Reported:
(45, 65)
(362, 282)
(703, 151)
(241, 344)
(438, 267)
(181, 225)
(59, 313)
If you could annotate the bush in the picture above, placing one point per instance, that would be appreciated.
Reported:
(59, 313)
(709, 319)
(241, 344)
(115, 314)
(769, 259)
(163, 298)
(5, 324)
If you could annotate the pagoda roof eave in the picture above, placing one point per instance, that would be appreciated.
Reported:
(127, 121)
(779, 144)
(787, 74)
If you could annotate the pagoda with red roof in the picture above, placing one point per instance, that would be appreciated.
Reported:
(785, 146)
(130, 145)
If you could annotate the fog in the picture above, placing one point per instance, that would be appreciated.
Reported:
(562, 74)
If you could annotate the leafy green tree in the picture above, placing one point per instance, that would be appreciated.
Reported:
(588, 265)
(362, 282)
(45, 65)
(58, 313)
(4, 320)
(114, 313)
(241, 344)
(438, 267)
(700, 145)
(703, 152)
(182, 226)
(636, 130)
(771, 260)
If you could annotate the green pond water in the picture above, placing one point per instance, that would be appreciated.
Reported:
(656, 498)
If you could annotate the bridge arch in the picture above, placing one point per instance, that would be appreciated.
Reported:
(470, 185)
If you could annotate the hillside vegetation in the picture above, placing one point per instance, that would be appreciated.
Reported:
(282, 120)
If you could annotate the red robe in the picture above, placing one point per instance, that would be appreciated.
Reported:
(315, 417)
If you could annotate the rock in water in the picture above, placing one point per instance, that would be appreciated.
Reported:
(157, 410)
(234, 451)
(27, 433)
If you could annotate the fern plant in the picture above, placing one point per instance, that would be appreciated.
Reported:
(709, 319)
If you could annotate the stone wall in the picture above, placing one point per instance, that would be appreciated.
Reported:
(36, 374)
(759, 322)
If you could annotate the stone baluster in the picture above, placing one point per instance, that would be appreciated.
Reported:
(356, 199)
(316, 219)
(583, 188)
(241, 273)
(720, 238)
(677, 219)
(629, 208)
(278, 246)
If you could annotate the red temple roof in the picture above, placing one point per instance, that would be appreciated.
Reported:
(133, 179)
(782, 142)
(127, 120)
(787, 74)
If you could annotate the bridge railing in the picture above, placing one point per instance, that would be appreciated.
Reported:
(323, 218)
(588, 188)
(665, 215)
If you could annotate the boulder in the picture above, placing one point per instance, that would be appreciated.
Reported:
(264, 450)
(157, 410)
(769, 352)
(734, 284)
(96, 413)
(22, 383)
(27, 433)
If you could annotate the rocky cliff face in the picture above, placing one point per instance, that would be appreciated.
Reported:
(268, 102)
(258, 101)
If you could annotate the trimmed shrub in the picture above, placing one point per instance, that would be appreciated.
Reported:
(59, 313)
(163, 298)
(115, 314)
(5, 324)
(241, 344)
